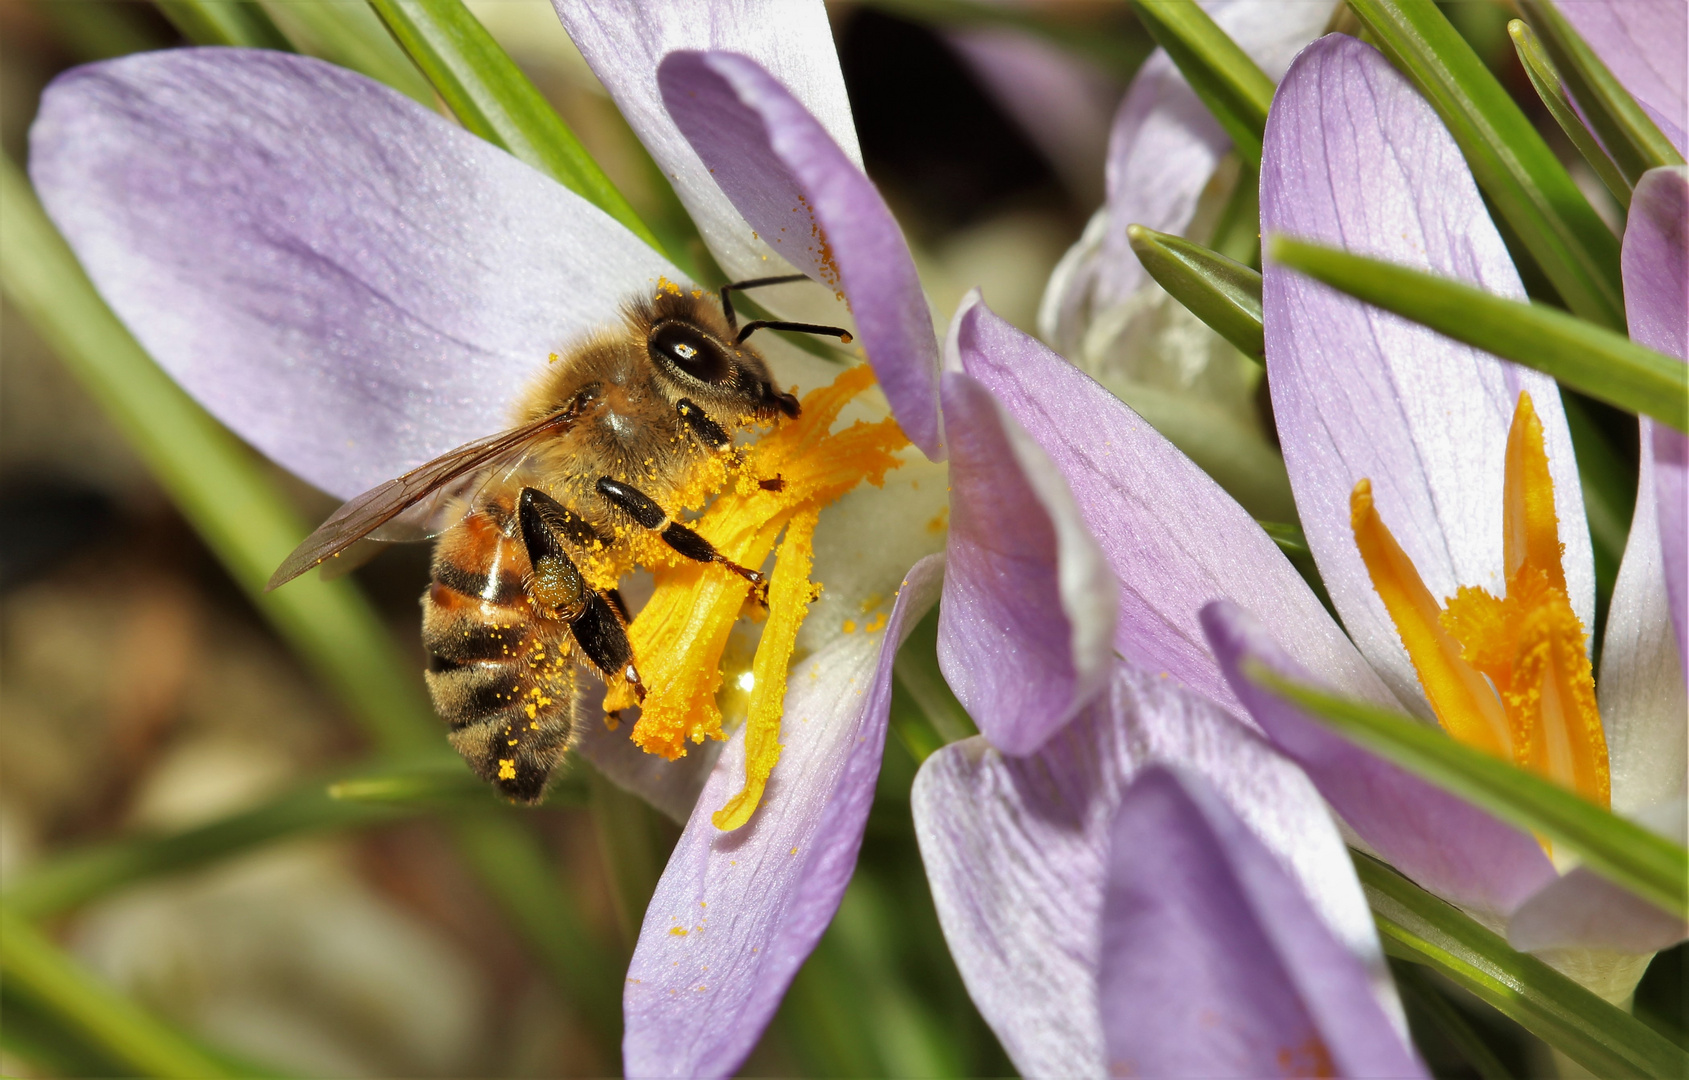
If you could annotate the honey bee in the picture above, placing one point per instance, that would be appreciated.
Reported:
(605, 439)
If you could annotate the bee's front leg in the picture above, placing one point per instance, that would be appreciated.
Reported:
(558, 589)
(648, 515)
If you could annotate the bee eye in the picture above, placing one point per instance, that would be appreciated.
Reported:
(686, 348)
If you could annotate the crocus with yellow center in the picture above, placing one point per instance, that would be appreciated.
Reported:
(1506, 674)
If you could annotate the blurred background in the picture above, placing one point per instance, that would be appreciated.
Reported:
(165, 756)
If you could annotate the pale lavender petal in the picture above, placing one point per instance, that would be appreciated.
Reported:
(1173, 538)
(1163, 149)
(736, 914)
(1357, 159)
(1062, 102)
(1645, 44)
(1016, 851)
(1445, 844)
(784, 172)
(670, 786)
(1213, 962)
(1583, 910)
(1655, 262)
(625, 40)
(349, 281)
(1641, 689)
(1026, 628)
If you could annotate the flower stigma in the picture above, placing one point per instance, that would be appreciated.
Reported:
(679, 636)
(1509, 674)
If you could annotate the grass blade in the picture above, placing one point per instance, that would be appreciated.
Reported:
(487, 92)
(1233, 87)
(1422, 996)
(1422, 929)
(1584, 356)
(224, 22)
(1643, 862)
(1545, 77)
(347, 32)
(1222, 293)
(1511, 162)
(108, 1020)
(70, 880)
(1629, 134)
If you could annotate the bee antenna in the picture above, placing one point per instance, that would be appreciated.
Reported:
(796, 327)
(751, 283)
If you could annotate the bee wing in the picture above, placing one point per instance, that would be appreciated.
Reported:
(376, 507)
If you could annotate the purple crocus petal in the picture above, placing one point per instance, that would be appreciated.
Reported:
(625, 40)
(350, 282)
(736, 914)
(1584, 910)
(1213, 962)
(1645, 44)
(1355, 158)
(1016, 852)
(1445, 844)
(1641, 691)
(1163, 148)
(1173, 538)
(789, 178)
(1655, 263)
(1026, 630)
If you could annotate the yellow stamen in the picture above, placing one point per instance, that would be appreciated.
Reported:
(1529, 525)
(1529, 645)
(679, 636)
(788, 600)
(1459, 696)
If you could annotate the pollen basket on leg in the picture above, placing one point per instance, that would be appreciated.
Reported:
(680, 634)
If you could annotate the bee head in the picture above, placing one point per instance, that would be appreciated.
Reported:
(705, 365)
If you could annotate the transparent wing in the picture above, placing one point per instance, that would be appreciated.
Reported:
(451, 474)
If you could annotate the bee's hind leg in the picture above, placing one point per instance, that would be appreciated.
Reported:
(557, 587)
(648, 515)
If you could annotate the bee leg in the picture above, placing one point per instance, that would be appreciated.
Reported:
(556, 586)
(708, 431)
(649, 515)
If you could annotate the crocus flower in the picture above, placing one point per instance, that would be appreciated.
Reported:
(355, 285)
(1168, 169)
(1355, 157)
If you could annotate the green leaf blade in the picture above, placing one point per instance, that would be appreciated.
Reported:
(1511, 162)
(1587, 357)
(1420, 928)
(487, 92)
(1636, 859)
(1221, 292)
(1233, 87)
(1545, 78)
(224, 22)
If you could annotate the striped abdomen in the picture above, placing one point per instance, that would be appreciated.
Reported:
(500, 675)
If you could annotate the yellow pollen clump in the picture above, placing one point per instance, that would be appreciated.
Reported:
(1506, 674)
(507, 768)
(679, 636)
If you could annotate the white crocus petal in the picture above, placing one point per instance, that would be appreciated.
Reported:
(624, 40)
(1641, 688)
